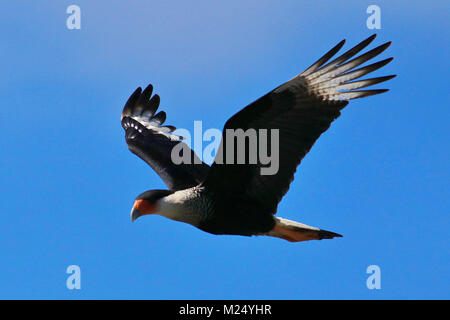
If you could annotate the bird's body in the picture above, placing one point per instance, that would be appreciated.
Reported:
(224, 214)
(238, 198)
(234, 214)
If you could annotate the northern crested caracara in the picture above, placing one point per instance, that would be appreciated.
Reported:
(236, 198)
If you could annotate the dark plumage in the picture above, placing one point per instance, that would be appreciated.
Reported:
(237, 198)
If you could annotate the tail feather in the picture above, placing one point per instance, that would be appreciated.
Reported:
(295, 231)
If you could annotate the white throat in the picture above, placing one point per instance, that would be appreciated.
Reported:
(180, 206)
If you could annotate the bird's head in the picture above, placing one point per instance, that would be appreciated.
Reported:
(147, 203)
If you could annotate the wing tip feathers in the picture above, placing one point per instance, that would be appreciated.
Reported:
(328, 81)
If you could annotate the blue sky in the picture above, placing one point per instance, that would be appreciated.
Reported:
(379, 176)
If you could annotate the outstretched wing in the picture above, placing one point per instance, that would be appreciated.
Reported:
(301, 109)
(149, 139)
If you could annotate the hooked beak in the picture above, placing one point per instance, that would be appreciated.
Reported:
(135, 213)
(142, 207)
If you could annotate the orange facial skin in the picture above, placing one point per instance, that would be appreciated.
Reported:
(145, 207)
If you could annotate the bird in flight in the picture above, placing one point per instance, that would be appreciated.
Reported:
(236, 198)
